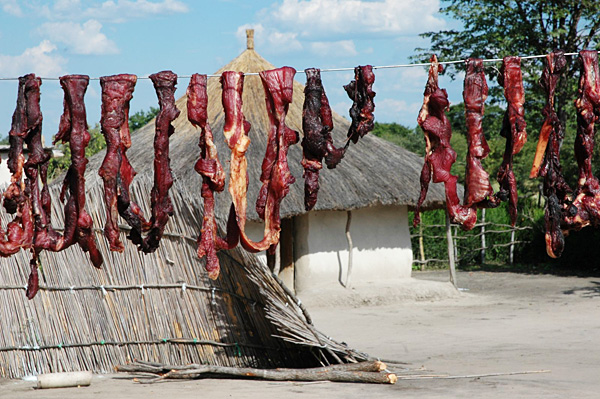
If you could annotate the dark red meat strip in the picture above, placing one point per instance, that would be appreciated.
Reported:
(555, 188)
(477, 181)
(439, 155)
(73, 129)
(361, 93)
(162, 208)
(513, 129)
(585, 209)
(117, 91)
(213, 179)
(317, 143)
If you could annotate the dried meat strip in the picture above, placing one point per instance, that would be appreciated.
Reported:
(317, 143)
(236, 130)
(585, 209)
(213, 179)
(555, 187)
(439, 155)
(360, 91)
(73, 130)
(162, 207)
(117, 92)
(19, 232)
(276, 176)
(477, 180)
(513, 129)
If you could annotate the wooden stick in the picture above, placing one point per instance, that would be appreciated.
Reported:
(284, 375)
(350, 249)
(450, 251)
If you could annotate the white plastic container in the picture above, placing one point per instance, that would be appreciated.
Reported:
(64, 380)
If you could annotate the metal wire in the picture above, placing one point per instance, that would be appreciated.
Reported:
(527, 57)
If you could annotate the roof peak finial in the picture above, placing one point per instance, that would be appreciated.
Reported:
(250, 39)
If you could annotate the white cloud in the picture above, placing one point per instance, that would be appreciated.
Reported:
(271, 40)
(315, 18)
(112, 11)
(11, 7)
(83, 38)
(39, 60)
(339, 48)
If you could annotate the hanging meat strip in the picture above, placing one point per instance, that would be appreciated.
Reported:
(162, 208)
(513, 129)
(317, 143)
(213, 179)
(276, 176)
(477, 180)
(73, 130)
(117, 91)
(36, 168)
(19, 231)
(585, 209)
(439, 155)
(555, 188)
(360, 91)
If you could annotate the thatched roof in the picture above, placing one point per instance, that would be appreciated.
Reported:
(373, 172)
(160, 307)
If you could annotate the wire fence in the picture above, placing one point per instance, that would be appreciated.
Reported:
(487, 242)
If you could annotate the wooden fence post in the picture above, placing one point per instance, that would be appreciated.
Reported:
(512, 246)
(421, 246)
(483, 236)
(450, 251)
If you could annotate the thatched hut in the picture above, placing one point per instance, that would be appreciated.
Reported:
(377, 183)
(163, 307)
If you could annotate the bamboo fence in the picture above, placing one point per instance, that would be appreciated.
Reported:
(159, 307)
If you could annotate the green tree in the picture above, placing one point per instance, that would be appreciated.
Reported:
(411, 139)
(97, 142)
(141, 118)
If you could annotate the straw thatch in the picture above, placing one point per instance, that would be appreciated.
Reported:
(160, 307)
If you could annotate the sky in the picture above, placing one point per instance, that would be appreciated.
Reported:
(99, 38)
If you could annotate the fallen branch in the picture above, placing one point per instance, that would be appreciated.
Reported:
(365, 372)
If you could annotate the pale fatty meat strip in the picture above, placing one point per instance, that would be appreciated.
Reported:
(513, 129)
(317, 143)
(439, 155)
(585, 209)
(117, 92)
(555, 187)
(213, 179)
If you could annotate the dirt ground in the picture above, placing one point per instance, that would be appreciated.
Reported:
(500, 323)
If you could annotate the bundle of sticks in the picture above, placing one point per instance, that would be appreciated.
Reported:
(374, 372)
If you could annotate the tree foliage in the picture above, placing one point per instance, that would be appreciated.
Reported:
(97, 142)
(141, 118)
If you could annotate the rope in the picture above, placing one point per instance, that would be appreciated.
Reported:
(425, 64)
(236, 345)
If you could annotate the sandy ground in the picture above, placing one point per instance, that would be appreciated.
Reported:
(502, 323)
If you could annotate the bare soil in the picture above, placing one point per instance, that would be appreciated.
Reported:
(501, 323)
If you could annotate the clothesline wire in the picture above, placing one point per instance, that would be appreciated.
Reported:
(527, 57)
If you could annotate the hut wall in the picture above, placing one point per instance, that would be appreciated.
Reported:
(4, 172)
(381, 241)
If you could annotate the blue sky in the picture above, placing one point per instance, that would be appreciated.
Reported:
(97, 38)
